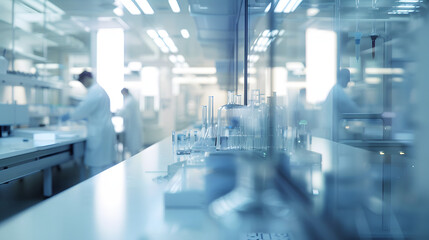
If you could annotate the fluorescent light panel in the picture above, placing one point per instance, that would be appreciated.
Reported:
(162, 40)
(118, 12)
(185, 33)
(163, 33)
(145, 6)
(294, 7)
(281, 5)
(287, 6)
(160, 43)
(180, 58)
(174, 6)
(267, 9)
(152, 33)
(385, 71)
(170, 44)
(172, 58)
(131, 7)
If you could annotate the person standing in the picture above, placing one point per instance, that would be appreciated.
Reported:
(337, 103)
(133, 141)
(100, 149)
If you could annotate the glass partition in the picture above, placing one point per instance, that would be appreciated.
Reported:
(347, 74)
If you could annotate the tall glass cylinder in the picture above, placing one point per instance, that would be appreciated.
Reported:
(210, 135)
(203, 120)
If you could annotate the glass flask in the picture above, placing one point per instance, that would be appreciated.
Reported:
(229, 125)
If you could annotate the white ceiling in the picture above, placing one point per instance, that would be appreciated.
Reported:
(139, 46)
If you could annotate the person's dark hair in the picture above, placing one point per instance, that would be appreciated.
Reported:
(125, 91)
(83, 75)
(344, 77)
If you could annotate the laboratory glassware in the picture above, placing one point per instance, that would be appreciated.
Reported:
(255, 129)
(230, 122)
(209, 139)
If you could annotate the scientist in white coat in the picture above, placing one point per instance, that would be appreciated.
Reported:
(133, 141)
(337, 102)
(100, 149)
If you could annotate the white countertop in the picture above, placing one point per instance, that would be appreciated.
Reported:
(124, 202)
(22, 142)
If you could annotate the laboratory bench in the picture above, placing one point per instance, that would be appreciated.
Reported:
(32, 150)
(127, 201)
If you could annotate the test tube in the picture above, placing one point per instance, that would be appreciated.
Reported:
(204, 120)
(174, 142)
(211, 111)
(237, 99)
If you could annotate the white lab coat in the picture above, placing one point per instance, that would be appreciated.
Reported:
(101, 138)
(132, 125)
(337, 102)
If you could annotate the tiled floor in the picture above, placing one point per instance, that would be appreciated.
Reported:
(19, 195)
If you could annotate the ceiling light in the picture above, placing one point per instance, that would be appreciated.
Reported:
(265, 33)
(160, 44)
(145, 6)
(163, 33)
(118, 11)
(253, 58)
(152, 33)
(170, 44)
(185, 33)
(174, 6)
(385, 71)
(195, 70)
(281, 6)
(180, 58)
(131, 7)
(291, 7)
(409, 1)
(311, 12)
(267, 9)
(287, 6)
(172, 58)
(164, 49)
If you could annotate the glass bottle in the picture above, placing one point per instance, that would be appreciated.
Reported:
(230, 118)
(302, 136)
(256, 125)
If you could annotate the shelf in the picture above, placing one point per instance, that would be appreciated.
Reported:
(17, 80)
